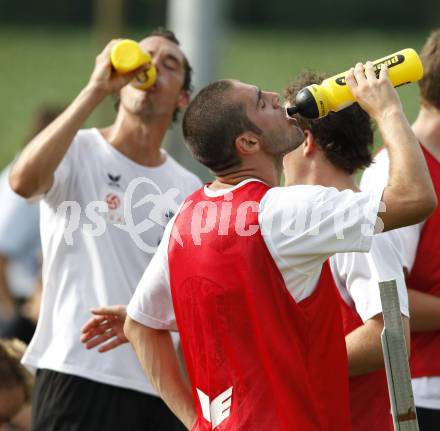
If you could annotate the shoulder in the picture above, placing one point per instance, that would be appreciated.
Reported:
(83, 141)
(190, 181)
(87, 138)
(300, 193)
(301, 197)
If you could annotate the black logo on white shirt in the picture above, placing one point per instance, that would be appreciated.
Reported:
(114, 180)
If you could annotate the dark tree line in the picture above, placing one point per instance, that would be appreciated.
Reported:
(315, 15)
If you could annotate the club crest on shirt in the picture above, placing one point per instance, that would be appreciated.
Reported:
(114, 180)
(113, 201)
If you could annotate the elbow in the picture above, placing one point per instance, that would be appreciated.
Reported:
(128, 328)
(26, 184)
(420, 206)
(131, 328)
(18, 183)
(427, 205)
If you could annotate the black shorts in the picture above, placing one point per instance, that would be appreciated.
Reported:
(62, 402)
(429, 420)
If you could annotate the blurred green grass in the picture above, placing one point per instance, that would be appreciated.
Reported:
(50, 66)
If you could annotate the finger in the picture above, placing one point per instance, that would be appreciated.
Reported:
(92, 323)
(96, 331)
(359, 73)
(102, 311)
(383, 75)
(369, 71)
(103, 327)
(99, 340)
(90, 334)
(111, 310)
(111, 345)
(108, 48)
(86, 337)
(126, 78)
(350, 79)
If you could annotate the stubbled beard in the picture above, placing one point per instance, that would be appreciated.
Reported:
(278, 151)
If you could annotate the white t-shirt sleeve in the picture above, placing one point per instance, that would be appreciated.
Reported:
(357, 275)
(151, 304)
(304, 225)
(376, 177)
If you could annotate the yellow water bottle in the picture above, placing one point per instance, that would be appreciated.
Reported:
(333, 94)
(126, 56)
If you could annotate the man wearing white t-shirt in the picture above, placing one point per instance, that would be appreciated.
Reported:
(420, 247)
(237, 268)
(335, 147)
(106, 197)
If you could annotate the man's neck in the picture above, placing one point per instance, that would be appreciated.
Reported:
(327, 175)
(427, 129)
(138, 140)
(263, 170)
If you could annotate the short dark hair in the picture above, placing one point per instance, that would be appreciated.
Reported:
(430, 83)
(211, 124)
(346, 137)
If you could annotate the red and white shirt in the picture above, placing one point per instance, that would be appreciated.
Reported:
(239, 274)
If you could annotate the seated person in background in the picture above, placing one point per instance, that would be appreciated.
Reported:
(20, 250)
(15, 387)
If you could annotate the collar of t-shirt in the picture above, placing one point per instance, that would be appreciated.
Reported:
(215, 193)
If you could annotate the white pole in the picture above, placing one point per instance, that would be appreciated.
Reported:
(396, 360)
(198, 24)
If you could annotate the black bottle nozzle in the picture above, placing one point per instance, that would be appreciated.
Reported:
(291, 111)
(305, 105)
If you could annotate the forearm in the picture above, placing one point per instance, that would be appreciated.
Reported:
(364, 350)
(424, 311)
(364, 346)
(409, 193)
(159, 360)
(33, 171)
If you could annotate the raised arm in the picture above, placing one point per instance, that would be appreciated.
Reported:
(158, 358)
(33, 171)
(409, 196)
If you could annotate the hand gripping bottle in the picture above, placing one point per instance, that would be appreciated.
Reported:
(333, 94)
(126, 56)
